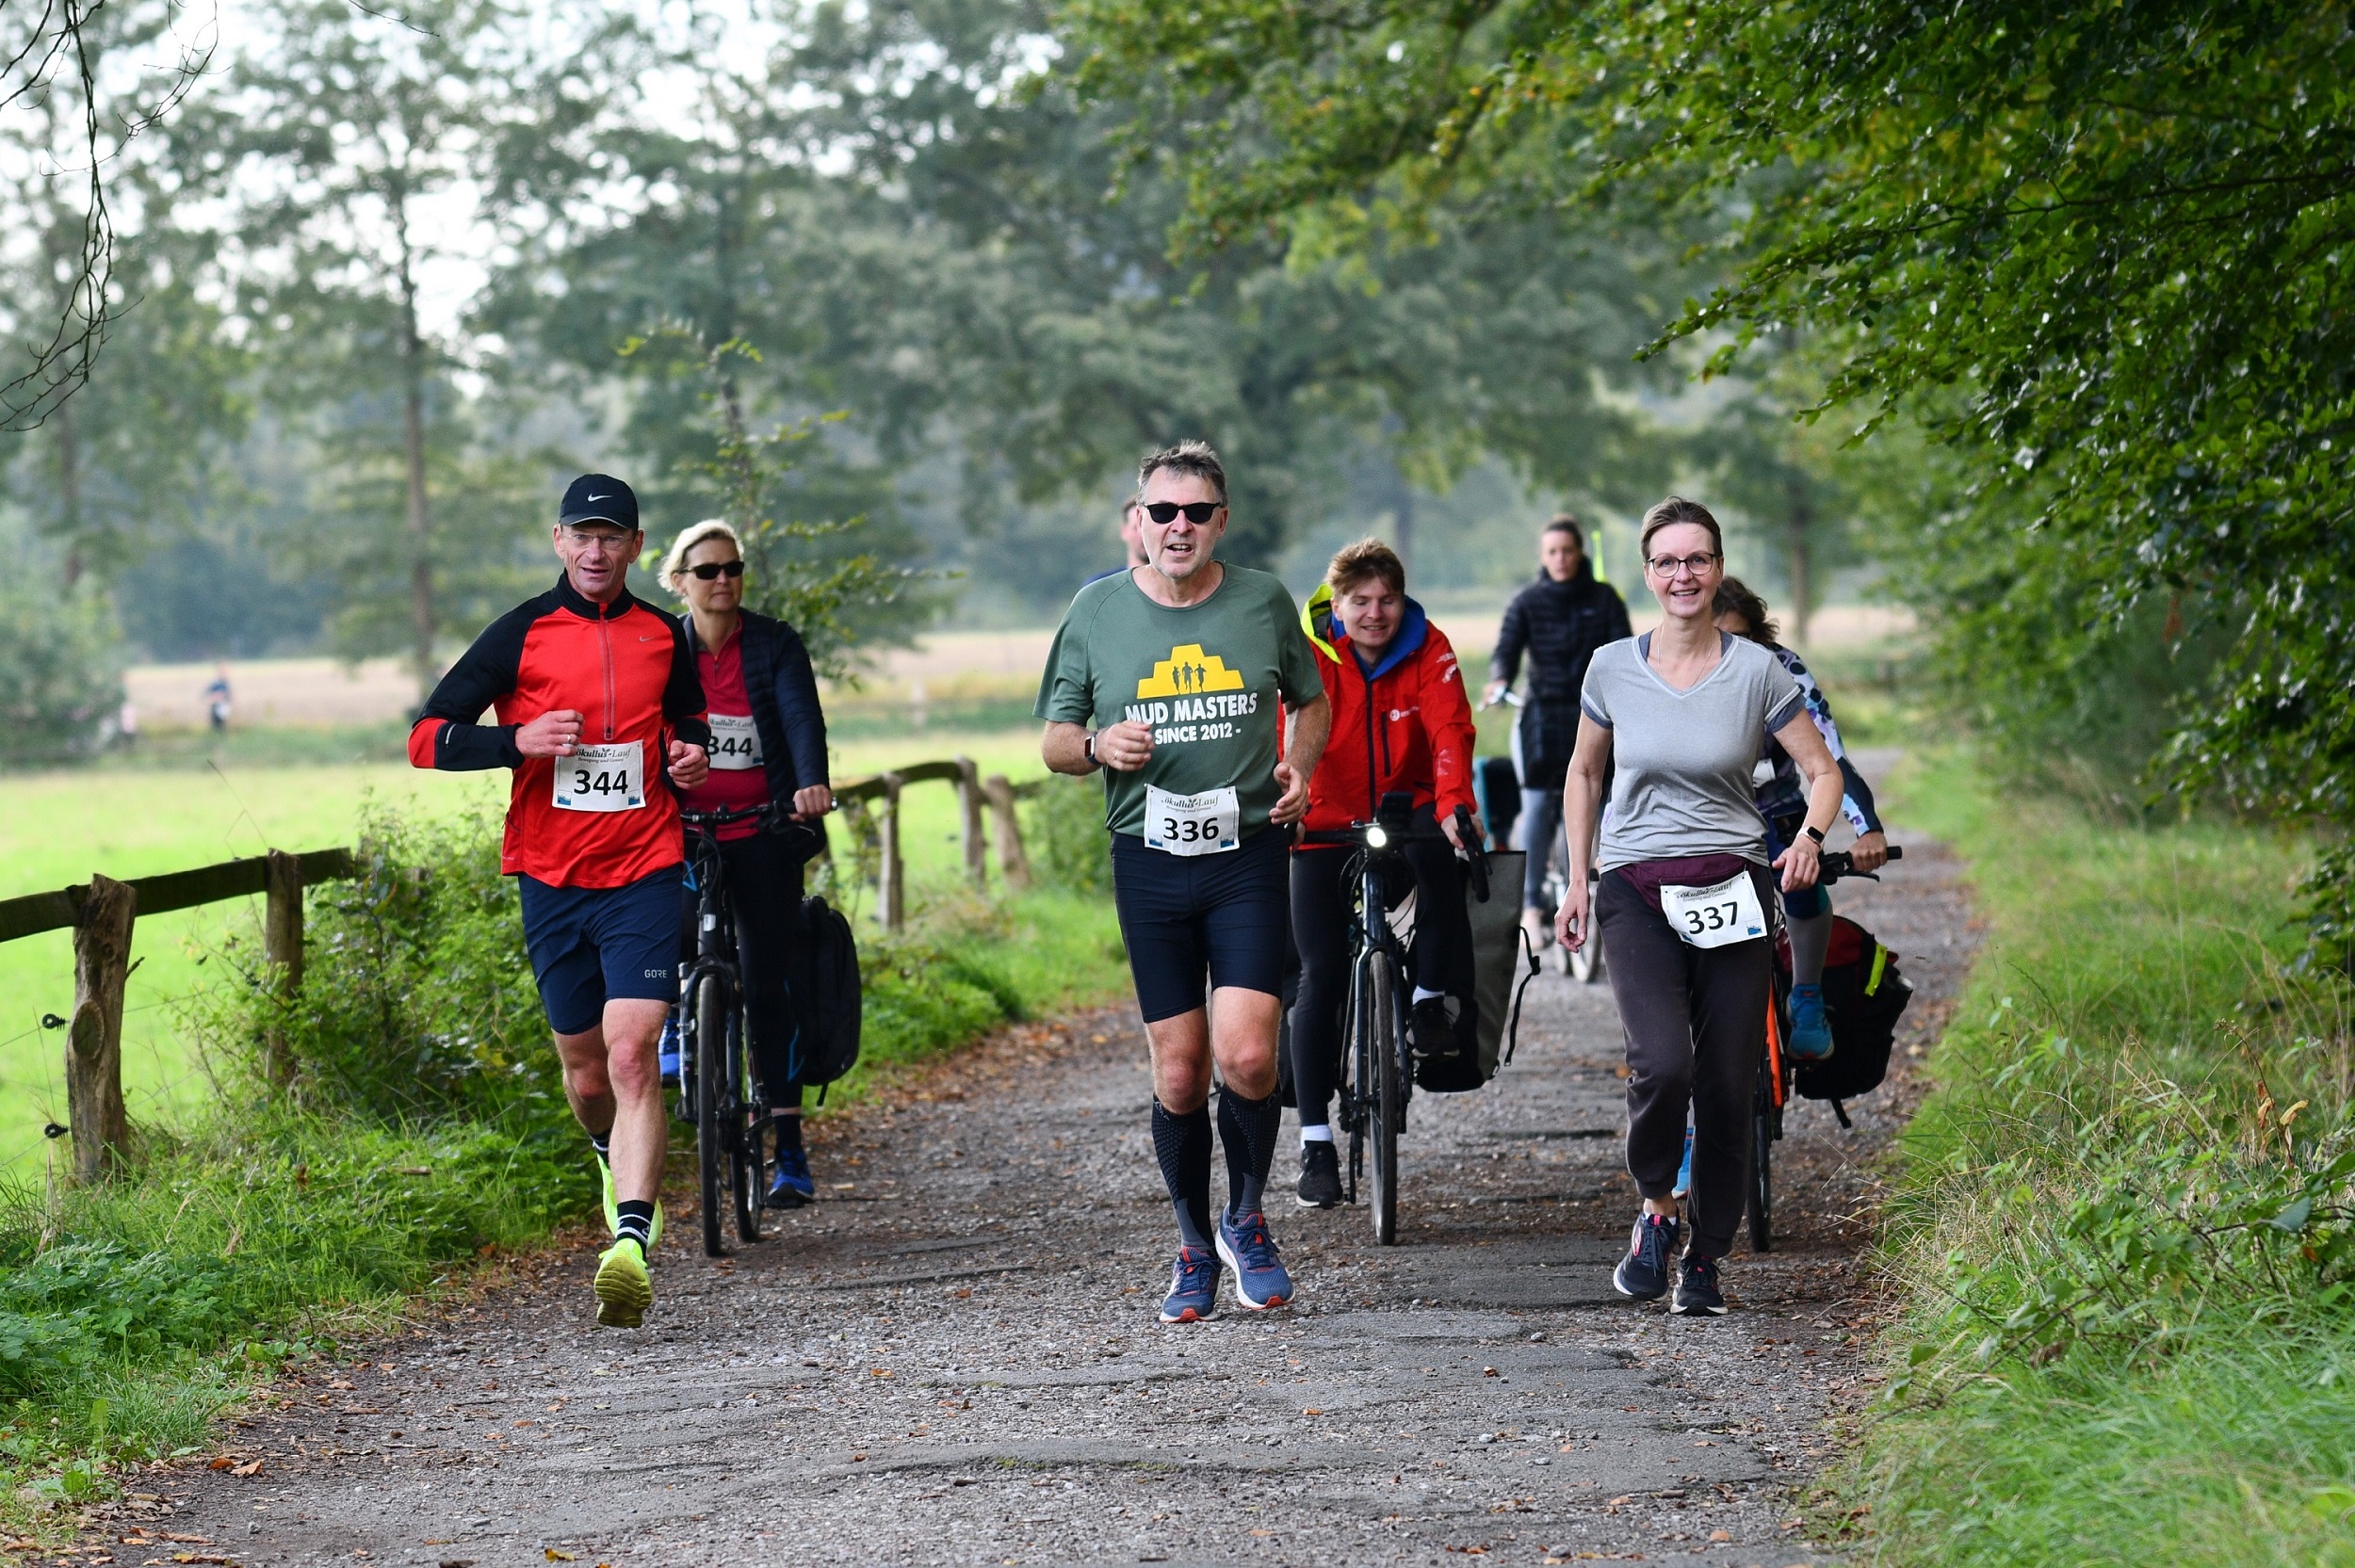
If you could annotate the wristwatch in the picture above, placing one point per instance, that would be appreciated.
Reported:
(1089, 746)
(1815, 833)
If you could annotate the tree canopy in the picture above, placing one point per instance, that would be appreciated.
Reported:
(2100, 252)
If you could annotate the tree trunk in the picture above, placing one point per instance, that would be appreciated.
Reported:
(93, 1048)
(412, 452)
(1799, 545)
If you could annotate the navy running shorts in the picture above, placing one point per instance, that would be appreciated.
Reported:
(1182, 914)
(591, 945)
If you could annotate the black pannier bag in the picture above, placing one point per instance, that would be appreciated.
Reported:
(1865, 995)
(1484, 985)
(826, 995)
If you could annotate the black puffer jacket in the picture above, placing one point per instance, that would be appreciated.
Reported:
(1559, 626)
(786, 711)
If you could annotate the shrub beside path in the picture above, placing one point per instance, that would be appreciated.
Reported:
(954, 1357)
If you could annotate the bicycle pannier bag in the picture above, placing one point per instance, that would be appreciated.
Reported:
(1865, 995)
(1483, 983)
(826, 995)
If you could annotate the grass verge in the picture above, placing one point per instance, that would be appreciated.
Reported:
(2122, 1228)
(425, 1130)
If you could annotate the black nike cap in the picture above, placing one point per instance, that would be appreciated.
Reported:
(599, 498)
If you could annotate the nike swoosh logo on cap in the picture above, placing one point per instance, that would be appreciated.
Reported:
(600, 498)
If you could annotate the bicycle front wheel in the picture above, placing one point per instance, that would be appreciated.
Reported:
(748, 1163)
(1378, 1044)
(1765, 1126)
(712, 1092)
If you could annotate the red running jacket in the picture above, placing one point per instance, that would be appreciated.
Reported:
(627, 669)
(1405, 724)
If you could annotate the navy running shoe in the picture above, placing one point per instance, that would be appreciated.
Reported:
(1192, 1289)
(1697, 1291)
(1810, 1032)
(791, 1186)
(1243, 1243)
(1644, 1272)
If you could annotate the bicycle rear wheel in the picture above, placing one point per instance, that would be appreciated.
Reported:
(712, 1133)
(748, 1163)
(1385, 1101)
(1763, 1132)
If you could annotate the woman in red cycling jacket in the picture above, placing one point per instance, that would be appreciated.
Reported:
(1401, 723)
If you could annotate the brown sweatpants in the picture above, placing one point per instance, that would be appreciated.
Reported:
(1694, 1020)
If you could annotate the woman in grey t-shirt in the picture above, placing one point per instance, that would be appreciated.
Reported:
(1683, 711)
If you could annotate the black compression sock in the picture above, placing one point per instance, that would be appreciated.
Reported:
(789, 1131)
(1249, 1129)
(602, 1143)
(636, 1221)
(1182, 1145)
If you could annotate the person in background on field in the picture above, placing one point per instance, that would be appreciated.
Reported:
(1674, 719)
(600, 715)
(1557, 622)
(1782, 801)
(217, 701)
(767, 743)
(127, 724)
(1131, 538)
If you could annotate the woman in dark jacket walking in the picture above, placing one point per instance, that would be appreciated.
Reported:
(767, 743)
(1558, 621)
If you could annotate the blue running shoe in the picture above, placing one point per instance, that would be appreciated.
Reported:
(1192, 1289)
(671, 1050)
(1644, 1272)
(1811, 1035)
(791, 1186)
(1244, 1246)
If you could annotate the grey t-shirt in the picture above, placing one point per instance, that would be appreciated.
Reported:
(1683, 759)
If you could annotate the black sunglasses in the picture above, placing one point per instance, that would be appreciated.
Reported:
(710, 569)
(1197, 513)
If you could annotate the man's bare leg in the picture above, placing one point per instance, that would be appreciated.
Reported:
(613, 1077)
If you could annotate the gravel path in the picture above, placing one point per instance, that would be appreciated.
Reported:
(953, 1358)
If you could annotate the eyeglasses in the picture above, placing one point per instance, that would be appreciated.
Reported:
(1668, 566)
(1197, 513)
(710, 569)
(584, 539)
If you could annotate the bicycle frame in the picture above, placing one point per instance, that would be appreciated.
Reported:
(721, 1090)
(1371, 933)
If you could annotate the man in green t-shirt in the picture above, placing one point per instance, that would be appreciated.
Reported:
(1175, 677)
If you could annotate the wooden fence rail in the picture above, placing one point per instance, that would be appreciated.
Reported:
(102, 914)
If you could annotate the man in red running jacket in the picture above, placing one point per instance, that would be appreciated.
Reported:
(601, 716)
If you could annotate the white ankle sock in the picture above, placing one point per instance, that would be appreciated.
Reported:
(1318, 1134)
(1424, 993)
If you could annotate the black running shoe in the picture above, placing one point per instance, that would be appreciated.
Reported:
(1644, 1272)
(1429, 1028)
(1320, 1175)
(1696, 1290)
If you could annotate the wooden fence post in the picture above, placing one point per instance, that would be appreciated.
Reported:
(281, 949)
(1012, 861)
(976, 839)
(891, 890)
(93, 1047)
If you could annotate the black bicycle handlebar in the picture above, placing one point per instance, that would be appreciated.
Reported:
(1836, 864)
(1475, 853)
(1363, 836)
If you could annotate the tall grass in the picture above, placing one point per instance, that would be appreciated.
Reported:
(2124, 1230)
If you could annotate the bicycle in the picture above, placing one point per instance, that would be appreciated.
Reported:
(1778, 1072)
(1377, 1079)
(720, 1086)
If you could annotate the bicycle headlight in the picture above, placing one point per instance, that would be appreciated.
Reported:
(1375, 837)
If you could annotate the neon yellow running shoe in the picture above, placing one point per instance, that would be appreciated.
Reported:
(613, 1211)
(624, 1292)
